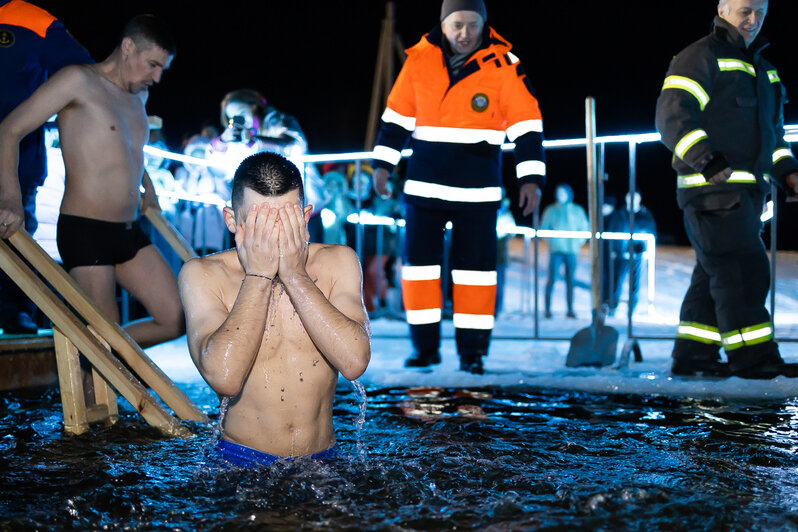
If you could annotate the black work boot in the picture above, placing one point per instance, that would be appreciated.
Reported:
(705, 367)
(753, 365)
(472, 363)
(768, 370)
(423, 358)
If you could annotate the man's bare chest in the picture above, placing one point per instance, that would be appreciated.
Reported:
(112, 115)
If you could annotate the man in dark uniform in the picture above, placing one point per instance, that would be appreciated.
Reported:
(34, 45)
(720, 112)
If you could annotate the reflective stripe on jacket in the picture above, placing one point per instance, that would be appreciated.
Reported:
(456, 125)
(721, 106)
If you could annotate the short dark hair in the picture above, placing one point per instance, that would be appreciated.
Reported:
(268, 174)
(149, 29)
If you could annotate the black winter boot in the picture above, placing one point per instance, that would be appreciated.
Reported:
(705, 367)
(472, 363)
(423, 358)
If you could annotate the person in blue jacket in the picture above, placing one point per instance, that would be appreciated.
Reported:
(34, 45)
(616, 258)
(564, 215)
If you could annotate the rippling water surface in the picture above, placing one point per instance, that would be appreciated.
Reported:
(425, 459)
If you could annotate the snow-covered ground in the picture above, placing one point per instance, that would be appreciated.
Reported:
(518, 359)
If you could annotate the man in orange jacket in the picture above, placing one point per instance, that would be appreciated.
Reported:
(460, 92)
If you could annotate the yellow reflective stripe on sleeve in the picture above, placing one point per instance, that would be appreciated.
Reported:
(688, 141)
(781, 153)
(697, 180)
(773, 76)
(735, 64)
(687, 84)
(698, 332)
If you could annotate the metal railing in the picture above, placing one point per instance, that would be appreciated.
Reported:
(362, 218)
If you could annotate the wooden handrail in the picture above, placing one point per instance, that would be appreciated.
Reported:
(172, 236)
(119, 340)
(95, 352)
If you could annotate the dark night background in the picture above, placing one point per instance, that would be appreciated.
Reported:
(316, 60)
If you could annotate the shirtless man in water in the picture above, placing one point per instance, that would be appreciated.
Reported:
(103, 129)
(272, 322)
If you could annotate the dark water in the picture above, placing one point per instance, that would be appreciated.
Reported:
(495, 459)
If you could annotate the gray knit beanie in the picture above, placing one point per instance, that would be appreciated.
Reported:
(450, 6)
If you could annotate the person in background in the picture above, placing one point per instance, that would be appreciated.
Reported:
(720, 112)
(379, 243)
(339, 207)
(158, 168)
(34, 45)
(616, 257)
(252, 125)
(164, 183)
(503, 259)
(563, 215)
(458, 95)
(202, 222)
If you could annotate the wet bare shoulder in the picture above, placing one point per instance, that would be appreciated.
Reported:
(330, 261)
(209, 272)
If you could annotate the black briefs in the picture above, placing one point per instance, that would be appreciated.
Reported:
(89, 242)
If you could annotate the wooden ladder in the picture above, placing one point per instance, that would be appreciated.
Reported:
(85, 398)
(89, 398)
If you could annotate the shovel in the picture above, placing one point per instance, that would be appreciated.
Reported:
(594, 345)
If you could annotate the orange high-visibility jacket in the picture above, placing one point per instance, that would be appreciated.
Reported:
(33, 46)
(456, 125)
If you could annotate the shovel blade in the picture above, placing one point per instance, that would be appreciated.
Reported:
(593, 346)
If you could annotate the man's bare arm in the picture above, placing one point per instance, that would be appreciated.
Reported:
(224, 345)
(54, 95)
(339, 326)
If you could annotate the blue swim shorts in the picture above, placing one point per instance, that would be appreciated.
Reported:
(247, 457)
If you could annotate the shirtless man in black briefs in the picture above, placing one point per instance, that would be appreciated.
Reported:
(103, 129)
